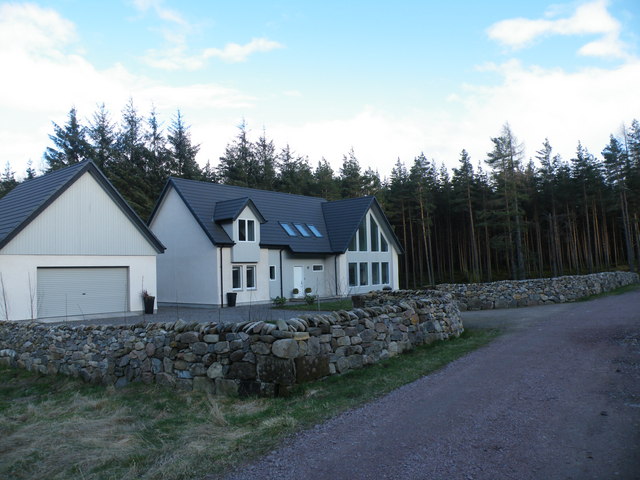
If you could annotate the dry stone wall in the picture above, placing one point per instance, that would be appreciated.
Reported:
(236, 358)
(539, 291)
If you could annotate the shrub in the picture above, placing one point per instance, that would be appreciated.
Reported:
(307, 290)
(310, 299)
(279, 301)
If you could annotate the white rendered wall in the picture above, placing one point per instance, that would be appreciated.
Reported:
(246, 251)
(321, 282)
(18, 274)
(188, 270)
(245, 296)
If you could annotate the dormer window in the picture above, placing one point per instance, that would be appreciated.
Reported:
(246, 230)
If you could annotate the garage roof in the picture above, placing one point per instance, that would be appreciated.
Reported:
(27, 200)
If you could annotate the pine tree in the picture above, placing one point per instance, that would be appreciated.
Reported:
(102, 137)
(234, 167)
(70, 144)
(8, 180)
(183, 162)
(351, 181)
(324, 183)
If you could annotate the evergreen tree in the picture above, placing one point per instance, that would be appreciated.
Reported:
(234, 167)
(351, 181)
(102, 137)
(265, 159)
(506, 161)
(324, 183)
(7, 181)
(183, 153)
(295, 174)
(70, 144)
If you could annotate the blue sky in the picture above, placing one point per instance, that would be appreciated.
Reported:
(388, 79)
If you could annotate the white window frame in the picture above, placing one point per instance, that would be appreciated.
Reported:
(317, 267)
(249, 230)
(353, 282)
(363, 267)
(251, 268)
(274, 270)
(239, 269)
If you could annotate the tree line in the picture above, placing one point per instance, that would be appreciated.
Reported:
(506, 218)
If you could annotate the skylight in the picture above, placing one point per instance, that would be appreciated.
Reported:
(287, 228)
(302, 229)
(314, 230)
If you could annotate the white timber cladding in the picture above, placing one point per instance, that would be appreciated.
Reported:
(246, 235)
(83, 220)
(19, 279)
(71, 291)
(188, 270)
(368, 266)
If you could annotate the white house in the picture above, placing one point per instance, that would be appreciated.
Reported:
(71, 247)
(259, 245)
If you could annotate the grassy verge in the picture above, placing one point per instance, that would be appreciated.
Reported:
(618, 291)
(59, 428)
(343, 304)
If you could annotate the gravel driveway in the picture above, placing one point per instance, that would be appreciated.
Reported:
(556, 397)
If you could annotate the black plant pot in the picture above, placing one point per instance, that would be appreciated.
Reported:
(148, 305)
(231, 299)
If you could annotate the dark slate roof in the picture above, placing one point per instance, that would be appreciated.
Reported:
(27, 200)
(231, 209)
(336, 224)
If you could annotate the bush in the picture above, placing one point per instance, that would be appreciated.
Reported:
(310, 299)
(307, 290)
(279, 301)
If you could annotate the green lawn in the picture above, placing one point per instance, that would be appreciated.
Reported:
(60, 428)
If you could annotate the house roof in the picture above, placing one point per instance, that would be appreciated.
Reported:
(231, 209)
(30, 198)
(212, 203)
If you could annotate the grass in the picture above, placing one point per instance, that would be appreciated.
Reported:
(332, 305)
(618, 291)
(59, 428)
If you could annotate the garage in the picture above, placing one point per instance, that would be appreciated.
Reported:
(71, 291)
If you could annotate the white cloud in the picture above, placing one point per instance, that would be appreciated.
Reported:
(164, 13)
(233, 52)
(591, 18)
(47, 78)
(177, 58)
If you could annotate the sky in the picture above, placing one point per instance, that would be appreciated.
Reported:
(389, 80)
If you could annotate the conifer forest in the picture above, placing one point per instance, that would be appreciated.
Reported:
(503, 216)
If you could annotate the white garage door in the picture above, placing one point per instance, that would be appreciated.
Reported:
(82, 291)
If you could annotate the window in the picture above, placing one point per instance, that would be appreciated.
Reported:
(353, 274)
(318, 268)
(384, 246)
(362, 236)
(375, 273)
(272, 272)
(385, 272)
(352, 244)
(364, 271)
(302, 229)
(251, 277)
(287, 228)
(236, 274)
(374, 235)
(246, 230)
(314, 230)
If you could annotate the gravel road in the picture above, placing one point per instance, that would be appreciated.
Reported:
(556, 397)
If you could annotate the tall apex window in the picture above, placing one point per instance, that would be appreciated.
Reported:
(246, 230)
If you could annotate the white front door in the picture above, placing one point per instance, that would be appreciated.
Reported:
(298, 281)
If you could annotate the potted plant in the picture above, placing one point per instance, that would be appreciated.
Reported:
(295, 292)
(149, 301)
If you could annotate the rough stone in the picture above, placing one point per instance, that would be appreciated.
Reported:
(285, 348)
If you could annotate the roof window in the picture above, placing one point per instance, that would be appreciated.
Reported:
(314, 230)
(302, 229)
(287, 228)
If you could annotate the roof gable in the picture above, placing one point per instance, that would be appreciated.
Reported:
(31, 197)
(231, 209)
